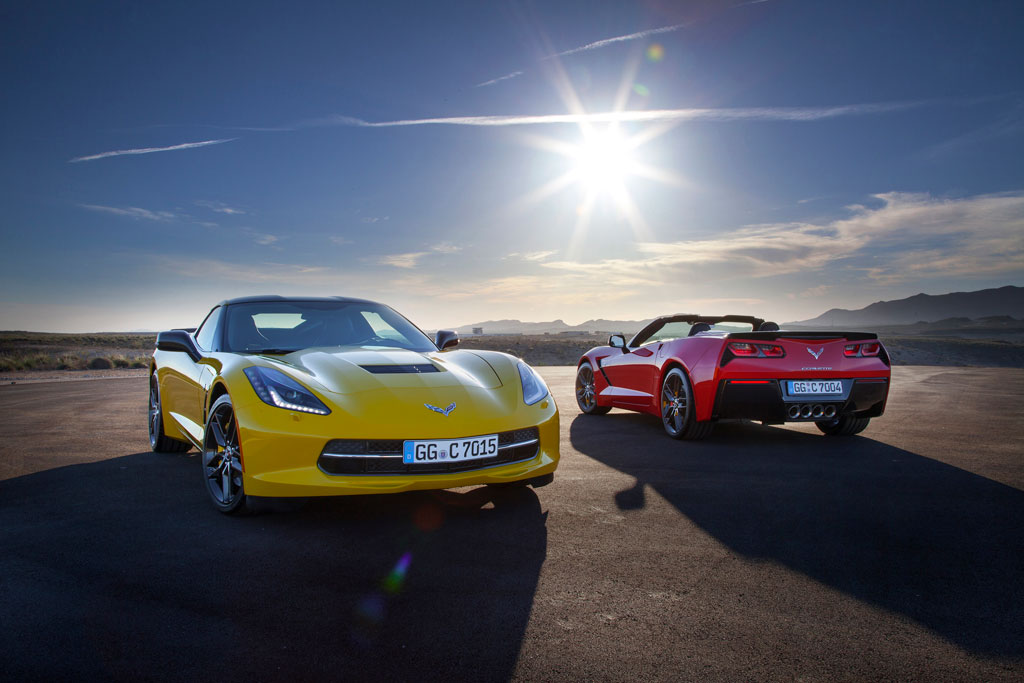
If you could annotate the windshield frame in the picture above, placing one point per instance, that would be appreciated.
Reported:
(652, 328)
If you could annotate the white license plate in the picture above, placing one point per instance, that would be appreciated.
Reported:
(449, 450)
(816, 387)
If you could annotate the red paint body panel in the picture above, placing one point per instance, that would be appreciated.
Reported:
(632, 380)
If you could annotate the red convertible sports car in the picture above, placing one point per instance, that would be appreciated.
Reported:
(695, 370)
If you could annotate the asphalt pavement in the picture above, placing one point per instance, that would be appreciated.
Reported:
(763, 553)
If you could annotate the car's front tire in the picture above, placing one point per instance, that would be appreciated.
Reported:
(586, 396)
(844, 425)
(222, 458)
(158, 441)
(679, 410)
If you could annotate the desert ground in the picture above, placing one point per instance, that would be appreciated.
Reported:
(763, 553)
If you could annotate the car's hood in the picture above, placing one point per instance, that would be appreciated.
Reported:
(348, 371)
(398, 386)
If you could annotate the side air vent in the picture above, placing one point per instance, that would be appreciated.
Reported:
(400, 369)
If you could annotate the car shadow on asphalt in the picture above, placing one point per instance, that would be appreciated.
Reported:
(121, 568)
(935, 543)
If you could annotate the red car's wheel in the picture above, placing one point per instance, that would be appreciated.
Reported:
(586, 396)
(847, 425)
(678, 409)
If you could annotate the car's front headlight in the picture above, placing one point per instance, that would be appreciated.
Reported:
(534, 388)
(279, 390)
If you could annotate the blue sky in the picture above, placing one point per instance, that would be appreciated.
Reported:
(468, 161)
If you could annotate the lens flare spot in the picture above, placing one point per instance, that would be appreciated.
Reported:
(641, 89)
(395, 579)
(428, 517)
(655, 52)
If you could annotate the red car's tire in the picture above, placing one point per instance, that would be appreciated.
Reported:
(586, 397)
(679, 410)
(846, 425)
(158, 441)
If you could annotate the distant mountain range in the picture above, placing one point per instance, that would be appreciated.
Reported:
(985, 303)
(927, 313)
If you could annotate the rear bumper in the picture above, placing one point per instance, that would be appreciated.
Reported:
(767, 401)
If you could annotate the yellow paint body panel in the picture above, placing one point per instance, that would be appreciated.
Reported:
(280, 447)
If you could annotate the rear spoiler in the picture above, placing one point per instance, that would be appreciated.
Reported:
(802, 334)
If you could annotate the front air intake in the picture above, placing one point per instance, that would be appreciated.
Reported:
(417, 369)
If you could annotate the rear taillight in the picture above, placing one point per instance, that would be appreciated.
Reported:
(745, 350)
(871, 349)
(868, 350)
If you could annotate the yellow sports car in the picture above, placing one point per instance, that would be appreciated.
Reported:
(295, 397)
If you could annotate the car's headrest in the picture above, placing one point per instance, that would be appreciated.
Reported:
(243, 333)
(699, 327)
(768, 326)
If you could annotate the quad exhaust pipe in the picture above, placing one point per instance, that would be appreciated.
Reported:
(807, 411)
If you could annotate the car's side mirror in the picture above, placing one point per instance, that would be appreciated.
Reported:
(178, 340)
(617, 341)
(446, 339)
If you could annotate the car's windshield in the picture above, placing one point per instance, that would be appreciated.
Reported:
(675, 329)
(282, 326)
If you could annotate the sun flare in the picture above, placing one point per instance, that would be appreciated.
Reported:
(603, 161)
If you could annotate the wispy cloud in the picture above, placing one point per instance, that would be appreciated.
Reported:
(339, 240)
(707, 114)
(412, 259)
(1010, 124)
(407, 260)
(291, 274)
(598, 44)
(909, 237)
(149, 150)
(499, 79)
(264, 239)
(132, 212)
(374, 219)
(530, 255)
(446, 248)
(221, 207)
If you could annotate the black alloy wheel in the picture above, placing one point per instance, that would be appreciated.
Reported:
(586, 396)
(678, 409)
(222, 458)
(158, 441)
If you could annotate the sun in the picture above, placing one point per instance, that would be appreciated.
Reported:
(603, 160)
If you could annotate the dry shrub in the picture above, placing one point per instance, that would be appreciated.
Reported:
(100, 363)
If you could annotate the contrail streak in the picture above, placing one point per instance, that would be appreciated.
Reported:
(148, 150)
(639, 35)
(728, 114)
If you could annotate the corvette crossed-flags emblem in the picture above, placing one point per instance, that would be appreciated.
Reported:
(443, 411)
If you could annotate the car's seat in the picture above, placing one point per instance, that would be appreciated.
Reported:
(768, 326)
(243, 335)
(344, 330)
(338, 331)
(697, 328)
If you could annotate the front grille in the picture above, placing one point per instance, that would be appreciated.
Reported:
(384, 456)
